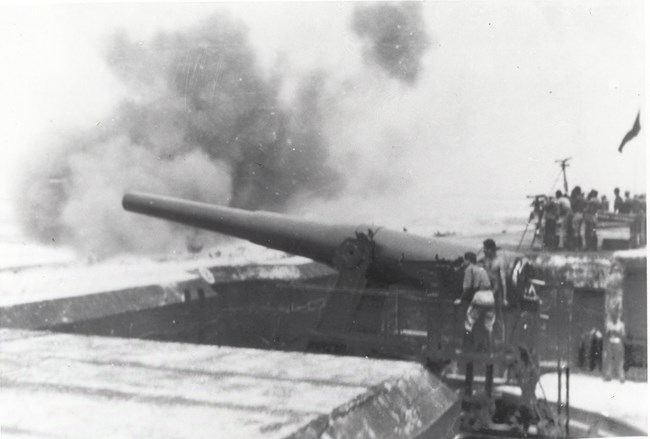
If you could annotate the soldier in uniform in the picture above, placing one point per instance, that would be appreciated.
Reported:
(564, 220)
(578, 204)
(626, 206)
(593, 206)
(496, 266)
(551, 213)
(642, 220)
(477, 292)
(614, 347)
(636, 226)
(618, 201)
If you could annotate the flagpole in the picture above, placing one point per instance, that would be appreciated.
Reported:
(563, 165)
(636, 180)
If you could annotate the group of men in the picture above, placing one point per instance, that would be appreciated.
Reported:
(605, 353)
(484, 289)
(485, 293)
(570, 221)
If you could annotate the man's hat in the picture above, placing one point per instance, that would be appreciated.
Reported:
(489, 244)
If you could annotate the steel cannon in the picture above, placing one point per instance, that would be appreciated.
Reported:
(385, 256)
(394, 295)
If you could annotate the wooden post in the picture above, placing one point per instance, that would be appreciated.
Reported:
(489, 377)
(567, 401)
(469, 378)
(559, 388)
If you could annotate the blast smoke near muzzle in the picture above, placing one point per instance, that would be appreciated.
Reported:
(202, 121)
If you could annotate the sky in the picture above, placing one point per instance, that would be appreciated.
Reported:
(506, 88)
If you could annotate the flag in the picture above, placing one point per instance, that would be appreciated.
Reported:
(632, 133)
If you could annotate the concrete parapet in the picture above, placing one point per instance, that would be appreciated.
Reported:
(41, 311)
(74, 386)
(414, 405)
(582, 270)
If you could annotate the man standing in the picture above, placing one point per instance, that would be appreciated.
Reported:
(564, 220)
(476, 292)
(642, 220)
(550, 223)
(626, 206)
(614, 348)
(495, 265)
(578, 204)
(637, 222)
(591, 212)
(618, 201)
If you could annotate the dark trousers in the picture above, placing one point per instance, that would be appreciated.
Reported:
(576, 226)
(637, 232)
(550, 234)
(591, 238)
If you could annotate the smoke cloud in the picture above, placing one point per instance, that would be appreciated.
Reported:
(202, 121)
(394, 37)
(375, 135)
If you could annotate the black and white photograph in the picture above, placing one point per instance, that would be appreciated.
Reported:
(334, 219)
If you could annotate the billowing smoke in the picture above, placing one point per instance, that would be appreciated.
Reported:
(202, 121)
(394, 36)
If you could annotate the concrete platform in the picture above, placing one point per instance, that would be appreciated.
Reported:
(624, 402)
(627, 401)
(72, 386)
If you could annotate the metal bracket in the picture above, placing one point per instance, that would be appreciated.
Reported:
(353, 257)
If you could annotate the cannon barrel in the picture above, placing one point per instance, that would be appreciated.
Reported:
(298, 236)
(280, 232)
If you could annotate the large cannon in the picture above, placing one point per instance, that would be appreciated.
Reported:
(393, 297)
(380, 255)
(373, 263)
